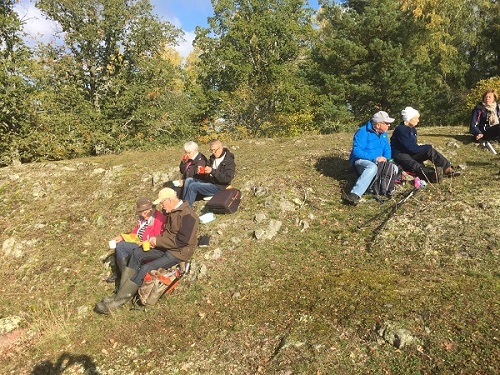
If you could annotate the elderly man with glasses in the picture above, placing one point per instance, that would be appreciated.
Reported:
(370, 146)
(175, 244)
(218, 174)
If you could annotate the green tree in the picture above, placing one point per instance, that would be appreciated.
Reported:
(360, 60)
(380, 54)
(250, 61)
(15, 115)
(122, 90)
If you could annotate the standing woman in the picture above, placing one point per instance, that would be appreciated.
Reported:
(484, 123)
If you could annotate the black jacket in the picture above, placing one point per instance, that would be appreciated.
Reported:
(479, 121)
(189, 168)
(224, 174)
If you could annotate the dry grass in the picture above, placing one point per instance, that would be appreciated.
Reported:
(313, 299)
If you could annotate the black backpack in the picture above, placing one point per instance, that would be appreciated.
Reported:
(385, 180)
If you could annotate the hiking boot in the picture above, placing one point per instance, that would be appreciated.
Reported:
(430, 174)
(352, 199)
(451, 172)
(112, 278)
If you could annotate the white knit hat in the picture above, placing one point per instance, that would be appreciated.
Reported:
(408, 113)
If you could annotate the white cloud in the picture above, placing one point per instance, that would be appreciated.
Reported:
(35, 25)
(40, 29)
(186, 47)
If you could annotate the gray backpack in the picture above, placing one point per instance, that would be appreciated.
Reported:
(385, 180)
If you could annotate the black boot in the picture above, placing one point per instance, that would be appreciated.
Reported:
(120, 265)
(430, 174)
(125, 294)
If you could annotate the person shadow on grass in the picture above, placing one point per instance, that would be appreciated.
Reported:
(66, 361)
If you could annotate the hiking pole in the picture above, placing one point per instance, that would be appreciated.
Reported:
(394, 208)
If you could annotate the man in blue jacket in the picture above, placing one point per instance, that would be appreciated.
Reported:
(369, 147)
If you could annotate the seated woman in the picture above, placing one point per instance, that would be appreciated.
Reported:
(149, 224)
(174, 245)
(189, 166)
(484, 123)
(410, 155)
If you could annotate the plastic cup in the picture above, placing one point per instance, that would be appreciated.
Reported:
(146, 246)
(176, 183)
(112, 244)
(201, 170)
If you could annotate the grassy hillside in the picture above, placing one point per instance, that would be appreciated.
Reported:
(326, 294)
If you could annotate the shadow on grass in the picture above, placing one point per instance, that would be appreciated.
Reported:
(65, 362)
(336, 167)
(339, 169)
(462, 138)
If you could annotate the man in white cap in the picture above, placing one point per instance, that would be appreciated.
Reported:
(411, 156)
(369, 147)
(175, 244)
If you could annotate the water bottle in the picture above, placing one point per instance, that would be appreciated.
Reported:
(416, 183)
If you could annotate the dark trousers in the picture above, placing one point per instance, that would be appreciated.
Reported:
(155, 258)
(415, 162)
(491, 133)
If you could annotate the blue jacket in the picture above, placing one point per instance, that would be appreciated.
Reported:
(404, 140)
(367, 144)
(479, 121)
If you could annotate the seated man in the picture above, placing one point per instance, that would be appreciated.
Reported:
(410, 155)
(370, 146)
(218, 174)
(174, 245)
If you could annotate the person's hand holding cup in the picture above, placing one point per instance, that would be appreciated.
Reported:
(112, 244)
(146, 246)
(185, 157)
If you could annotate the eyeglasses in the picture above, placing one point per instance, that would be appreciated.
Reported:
(214, 150)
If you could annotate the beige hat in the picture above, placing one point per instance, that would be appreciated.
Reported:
(164, 194)
(143, 204)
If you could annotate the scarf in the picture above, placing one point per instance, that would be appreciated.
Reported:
(492, 113)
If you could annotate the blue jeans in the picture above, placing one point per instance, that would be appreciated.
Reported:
(125, 249)
(194, 187)
(367, 170)
(157, 258)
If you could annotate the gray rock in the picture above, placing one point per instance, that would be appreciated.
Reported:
(397, 337)
(259, 217)
(9, 323)
(287, 205)
(271, 231)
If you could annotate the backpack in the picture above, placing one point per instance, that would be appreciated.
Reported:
(385, 180)
(225, 201)
(156, 283)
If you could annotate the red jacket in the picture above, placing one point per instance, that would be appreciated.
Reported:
(154, 228)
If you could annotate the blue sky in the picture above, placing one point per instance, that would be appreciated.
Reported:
(184, 14)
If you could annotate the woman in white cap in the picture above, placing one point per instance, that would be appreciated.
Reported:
(411, 156)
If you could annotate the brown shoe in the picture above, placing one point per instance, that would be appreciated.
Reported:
(451, 172)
